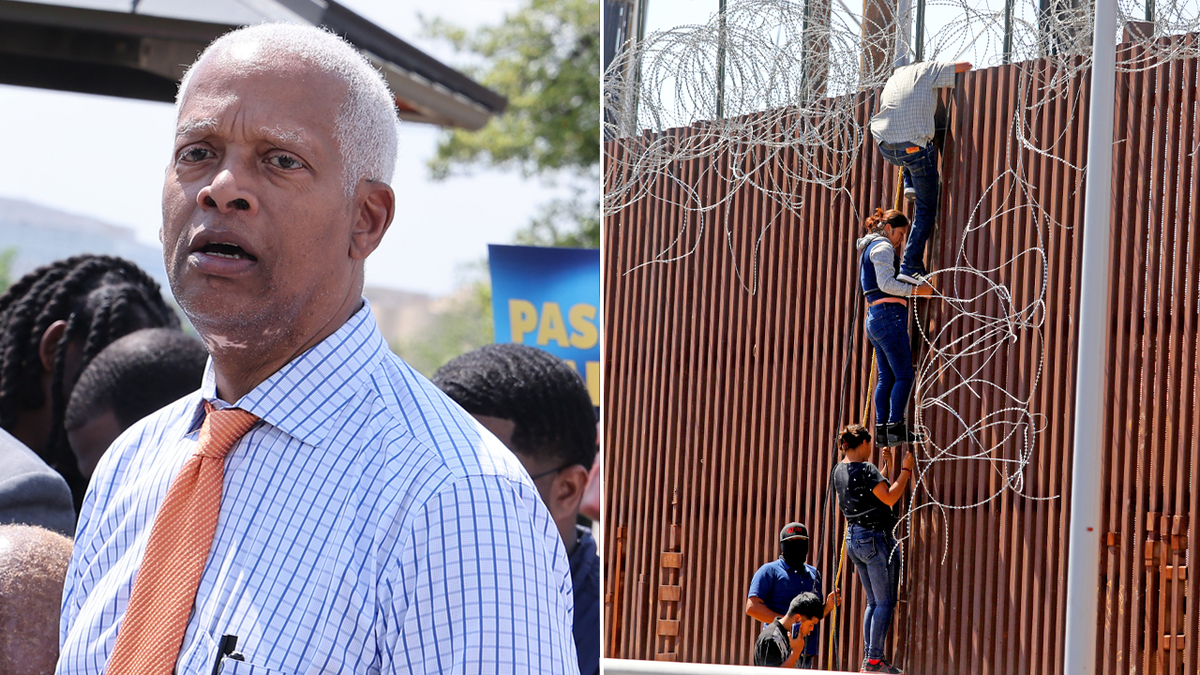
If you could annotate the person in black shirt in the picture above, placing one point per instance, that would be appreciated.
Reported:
(781, 641)
(866, 498)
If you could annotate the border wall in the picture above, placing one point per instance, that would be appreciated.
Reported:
(722, 404)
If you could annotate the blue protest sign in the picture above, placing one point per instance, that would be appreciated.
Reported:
(550, 298)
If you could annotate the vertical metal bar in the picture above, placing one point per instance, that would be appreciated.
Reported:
(721, 61)
(1008, 30)
(920, 39)
(1083, 576)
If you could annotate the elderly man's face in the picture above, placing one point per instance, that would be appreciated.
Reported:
(256, 222)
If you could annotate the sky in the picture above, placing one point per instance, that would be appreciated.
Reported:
(104, 157)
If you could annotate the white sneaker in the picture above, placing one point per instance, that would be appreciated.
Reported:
(910, 194)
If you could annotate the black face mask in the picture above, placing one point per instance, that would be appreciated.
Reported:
(795, 552)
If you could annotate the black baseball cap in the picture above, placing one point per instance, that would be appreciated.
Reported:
(793, 531)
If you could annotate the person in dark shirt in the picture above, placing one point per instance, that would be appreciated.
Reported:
(53, 322)
(778, 582)
(781, 641)
(539, 407)
(866, 498)
(127, 381)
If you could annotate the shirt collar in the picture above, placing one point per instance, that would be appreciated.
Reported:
(322, 378)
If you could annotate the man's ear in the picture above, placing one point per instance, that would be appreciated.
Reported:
(568, 488)
(49, 344)
(375, 212)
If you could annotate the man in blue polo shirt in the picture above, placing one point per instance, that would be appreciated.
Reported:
(776, 583)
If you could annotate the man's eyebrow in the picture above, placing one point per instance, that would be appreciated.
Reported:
(193, 126)
(283, 136)
(277, 134)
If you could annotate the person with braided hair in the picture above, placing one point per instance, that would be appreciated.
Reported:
(53, 322)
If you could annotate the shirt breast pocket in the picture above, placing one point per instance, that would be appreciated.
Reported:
(234, 667)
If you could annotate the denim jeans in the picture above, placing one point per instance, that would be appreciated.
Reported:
(887, 330)
(921, 174)
(878, 563)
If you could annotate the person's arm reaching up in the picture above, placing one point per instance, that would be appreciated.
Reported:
(890, 494)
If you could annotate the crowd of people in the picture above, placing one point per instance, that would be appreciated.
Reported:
(280, 490)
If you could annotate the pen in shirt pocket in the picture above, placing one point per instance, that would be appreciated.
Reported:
(225, 649)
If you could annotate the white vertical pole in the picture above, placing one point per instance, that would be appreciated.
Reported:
(1083, 570)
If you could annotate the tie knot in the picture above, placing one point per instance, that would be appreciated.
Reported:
(221, 429)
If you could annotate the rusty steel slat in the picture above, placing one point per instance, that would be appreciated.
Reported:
(734, 332)
(721, 522)
(661, 475)
(945, 234)
(703, 431)
(1052, 331)
(673, 438)
(1060, 304)
(985, 578)
(695, 573)
(699, 345)
(618, 381)
(720, 264)
(651, 546)
(1020, 373)
(1115, 640)
(1018, 377)
(1186, 76)
(622, 384)
(742, 388)
(966, 195)
(642, 610)
(1191, 137)
(1126, 646)
(1038, 130)
(1153, 354)
(996, 556)
(974, 475)
(610, 259)
(681, 390)
(1169, 320)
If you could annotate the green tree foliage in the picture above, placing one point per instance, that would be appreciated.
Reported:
(545, 58)
(463, 325)
(6, 259)
(573, 221)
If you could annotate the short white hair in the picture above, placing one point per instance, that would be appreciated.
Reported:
(365, 127)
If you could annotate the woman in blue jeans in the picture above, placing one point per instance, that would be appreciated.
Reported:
(866, 498)
(887, 323)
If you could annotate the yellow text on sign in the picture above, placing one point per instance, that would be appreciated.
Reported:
(524, 318)
(579, 330)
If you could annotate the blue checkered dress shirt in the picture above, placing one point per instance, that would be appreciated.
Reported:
(367, 525)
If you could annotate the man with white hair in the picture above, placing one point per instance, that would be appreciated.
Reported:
(317, 507)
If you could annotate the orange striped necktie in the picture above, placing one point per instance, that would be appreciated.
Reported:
(164, 589)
